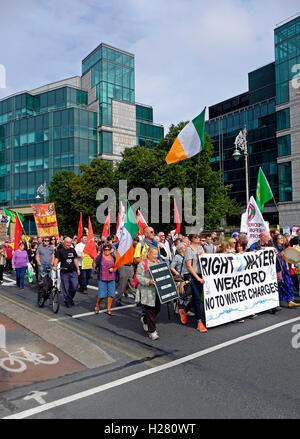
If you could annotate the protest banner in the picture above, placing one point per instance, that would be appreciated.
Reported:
(164, 282)
(4, 226)
(256, 223)
(45, 220)
(294, 231)
(87, 262)
(238, 285)
(286, 230)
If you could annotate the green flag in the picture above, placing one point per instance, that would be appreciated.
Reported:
(263, 190)
(13, 215)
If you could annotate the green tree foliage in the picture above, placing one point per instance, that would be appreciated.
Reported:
(60, 193)
(142, 168)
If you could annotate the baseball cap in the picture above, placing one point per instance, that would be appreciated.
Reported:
(234, 235)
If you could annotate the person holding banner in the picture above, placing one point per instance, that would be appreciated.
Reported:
(146, 292)
(285, 284)
(193, 274)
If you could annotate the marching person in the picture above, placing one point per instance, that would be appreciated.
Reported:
(85, 273)
(2, 262)
(69, 270)
(285, 284)
(105, 263)
(146, 293)
(45, 256)
(193, 274)
(19, 263)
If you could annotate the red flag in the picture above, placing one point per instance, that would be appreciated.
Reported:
(177, 219)
(105, 231)
(80, 229)
(18, 232)
(90, 247)
(141, 221)
(118, 220)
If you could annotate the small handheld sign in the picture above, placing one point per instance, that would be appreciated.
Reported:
(164, 282)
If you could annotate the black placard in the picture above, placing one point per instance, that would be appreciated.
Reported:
(164, 282)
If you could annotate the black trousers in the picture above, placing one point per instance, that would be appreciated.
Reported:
(151, 313)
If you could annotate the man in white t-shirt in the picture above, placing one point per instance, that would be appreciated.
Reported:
(85, 274)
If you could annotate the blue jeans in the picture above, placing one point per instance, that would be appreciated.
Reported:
(84, 278)
(20, 275)
(106, 288)
(42, 269)
(197, 289)
(69, 283)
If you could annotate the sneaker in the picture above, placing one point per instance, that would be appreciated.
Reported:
(201, 327)
(252, 316)
(145, 326)
(176, 311)
(154, 335)
(182, 316)
(190, 314)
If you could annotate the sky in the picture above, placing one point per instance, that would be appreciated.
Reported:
(188, 53)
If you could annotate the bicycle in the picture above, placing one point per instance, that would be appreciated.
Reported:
(48, 291)
(15, 361)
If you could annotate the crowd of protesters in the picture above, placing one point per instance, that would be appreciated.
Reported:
(65, 257)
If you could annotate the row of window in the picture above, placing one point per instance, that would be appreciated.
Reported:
(112, 73)
(249, 117)
(287, 30)
(148, 130)
(42, 102)
(109, 54)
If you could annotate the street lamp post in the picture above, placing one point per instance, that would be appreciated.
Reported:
(42, 189)
(241, 143)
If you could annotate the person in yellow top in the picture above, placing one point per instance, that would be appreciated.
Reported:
(141, 251)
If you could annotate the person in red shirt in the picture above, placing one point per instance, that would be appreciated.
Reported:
(9, 254)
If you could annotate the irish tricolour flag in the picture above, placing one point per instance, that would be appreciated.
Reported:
(189, 142)
(130, 230)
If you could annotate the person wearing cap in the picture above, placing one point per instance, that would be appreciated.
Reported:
(235, 236)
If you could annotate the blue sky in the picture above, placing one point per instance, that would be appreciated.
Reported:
(188, 53)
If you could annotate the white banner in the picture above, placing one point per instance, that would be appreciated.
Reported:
(256, 223)
(238, 285)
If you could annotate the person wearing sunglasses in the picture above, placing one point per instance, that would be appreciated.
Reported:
(105, 263)
(45, 256)
(193, 274)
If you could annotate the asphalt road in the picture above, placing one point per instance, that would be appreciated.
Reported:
(239, 370)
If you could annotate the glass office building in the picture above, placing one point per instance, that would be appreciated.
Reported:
(270, 111)
(71, 122)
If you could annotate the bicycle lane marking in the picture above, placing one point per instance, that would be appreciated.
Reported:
(142, 374)
(138, 356)
(28, 358)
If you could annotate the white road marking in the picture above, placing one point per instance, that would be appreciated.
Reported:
(119, 308)
(77, 316)
(136, 376)
(35, 394)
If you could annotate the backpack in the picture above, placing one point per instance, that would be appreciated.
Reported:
(134, 280)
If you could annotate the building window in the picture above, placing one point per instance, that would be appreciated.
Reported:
(285, 181)
(283, 119)
(284, 145)
(105, 139)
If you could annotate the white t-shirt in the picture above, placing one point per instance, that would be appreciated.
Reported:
(79, 250)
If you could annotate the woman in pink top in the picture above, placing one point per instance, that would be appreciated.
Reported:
(19, 262)
(105, 263)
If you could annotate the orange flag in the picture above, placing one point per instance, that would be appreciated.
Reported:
(80, 229)
(90, 247)
(18, 232)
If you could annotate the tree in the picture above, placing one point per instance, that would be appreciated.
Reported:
(60, 193)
